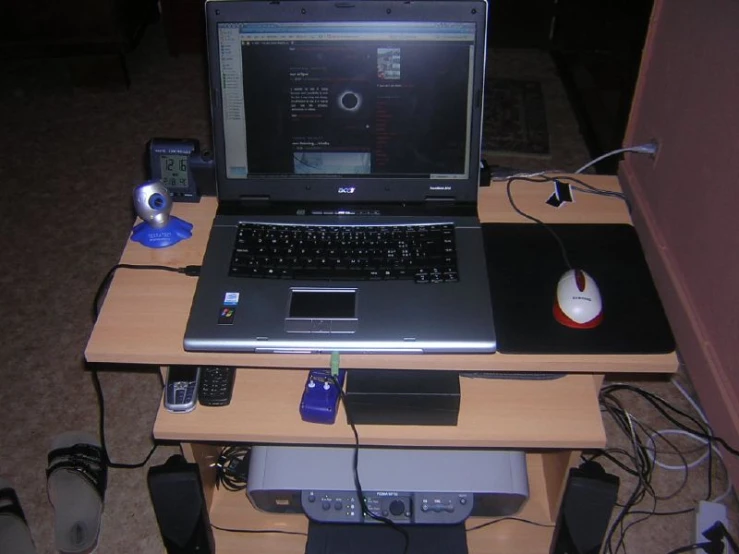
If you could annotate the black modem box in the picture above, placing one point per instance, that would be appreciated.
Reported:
(402, 397)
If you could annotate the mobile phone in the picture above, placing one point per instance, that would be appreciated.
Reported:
(181, 389)
(216, 385)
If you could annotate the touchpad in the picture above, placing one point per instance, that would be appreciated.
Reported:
(321, 310)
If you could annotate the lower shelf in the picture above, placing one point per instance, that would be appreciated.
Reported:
(547, 472)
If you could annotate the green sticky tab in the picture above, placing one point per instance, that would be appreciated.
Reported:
(334, 364)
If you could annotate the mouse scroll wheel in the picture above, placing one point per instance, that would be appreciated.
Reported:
(580, 280)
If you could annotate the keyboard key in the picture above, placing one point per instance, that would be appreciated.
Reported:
(424, 253)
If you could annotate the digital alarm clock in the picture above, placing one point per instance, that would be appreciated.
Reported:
(182, 169)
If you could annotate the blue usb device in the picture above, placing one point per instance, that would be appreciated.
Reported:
(321, 397)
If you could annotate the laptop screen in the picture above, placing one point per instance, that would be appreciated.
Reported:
(368, 98)
(349, 101)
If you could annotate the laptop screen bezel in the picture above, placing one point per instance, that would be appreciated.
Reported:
(328, 189)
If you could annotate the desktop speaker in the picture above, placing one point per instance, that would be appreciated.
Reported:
(177, 495)
(586, 510)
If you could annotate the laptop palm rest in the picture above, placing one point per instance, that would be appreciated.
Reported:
(322, 310)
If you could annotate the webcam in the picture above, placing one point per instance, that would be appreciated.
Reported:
(158, 229)
(152, 203)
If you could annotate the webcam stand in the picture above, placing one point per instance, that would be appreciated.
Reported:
(173, 231)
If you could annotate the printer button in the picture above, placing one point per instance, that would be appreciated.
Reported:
(338, 505)
(326, 505)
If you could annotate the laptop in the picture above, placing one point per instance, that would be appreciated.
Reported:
(347, 144)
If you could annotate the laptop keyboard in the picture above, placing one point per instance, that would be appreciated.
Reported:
(423, 253)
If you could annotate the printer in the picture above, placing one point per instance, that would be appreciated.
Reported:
(404, 485)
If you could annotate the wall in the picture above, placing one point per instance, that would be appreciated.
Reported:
(687, 98)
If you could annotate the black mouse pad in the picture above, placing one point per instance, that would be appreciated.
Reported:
(524, 266)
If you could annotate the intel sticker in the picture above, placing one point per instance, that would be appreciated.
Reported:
(231, 299)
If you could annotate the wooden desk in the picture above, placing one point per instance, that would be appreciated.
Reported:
(143, 321)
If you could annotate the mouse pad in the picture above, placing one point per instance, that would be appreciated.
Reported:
(524, 266)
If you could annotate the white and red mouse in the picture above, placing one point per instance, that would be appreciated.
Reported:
(578, 303)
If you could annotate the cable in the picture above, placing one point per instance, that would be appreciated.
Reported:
(509, 518)
(229, 471)
(694, 546)
(518, 210)
(101, 429)
(643, 443)
(634, 429)
(646, 148)
(355, 470)
(698, 410)
(191, 270)
(259, 531)
(584, 187)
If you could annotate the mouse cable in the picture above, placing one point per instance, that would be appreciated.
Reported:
(355, 469)
(191, 270)
(519, 211)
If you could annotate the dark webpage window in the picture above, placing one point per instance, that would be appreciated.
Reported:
(356, 107)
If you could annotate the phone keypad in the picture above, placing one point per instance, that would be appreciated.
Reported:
(216, 385)
(183, 391)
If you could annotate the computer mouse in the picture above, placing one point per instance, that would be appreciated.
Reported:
(578, 303)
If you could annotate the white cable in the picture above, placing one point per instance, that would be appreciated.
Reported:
(646, 148)
(690, 465)
(689, 399)
(702, 457)
(529, 175)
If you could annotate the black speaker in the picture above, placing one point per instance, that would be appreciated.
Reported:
(586, 510)
(177, 495)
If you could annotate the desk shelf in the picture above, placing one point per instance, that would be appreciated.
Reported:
(494, 413)
(232, 510)
(143, 320)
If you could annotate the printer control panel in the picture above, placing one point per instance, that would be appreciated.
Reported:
(399, 507)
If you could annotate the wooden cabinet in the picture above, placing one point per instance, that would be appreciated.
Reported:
(143, 321)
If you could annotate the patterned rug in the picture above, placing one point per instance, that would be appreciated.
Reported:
(515, 119)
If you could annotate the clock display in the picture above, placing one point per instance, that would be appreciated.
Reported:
(174, 171)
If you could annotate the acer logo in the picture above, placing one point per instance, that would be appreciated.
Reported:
(347, 190)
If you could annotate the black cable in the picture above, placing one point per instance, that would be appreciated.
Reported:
(643, 466)
(191, 270)
(355, 468)
(509, 518)
(519, 211)
(661, 405)
(694, 546)
(259, 531)
(229, 474)
(101, 425)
